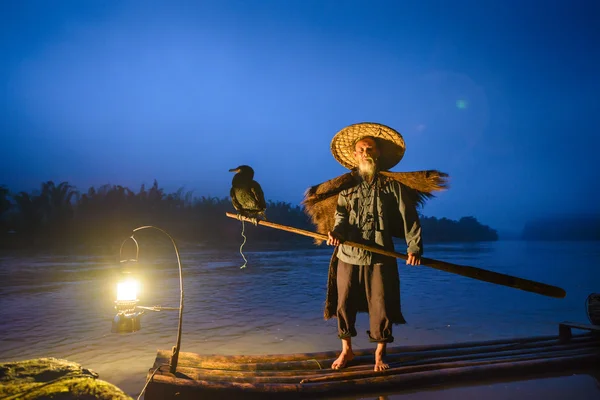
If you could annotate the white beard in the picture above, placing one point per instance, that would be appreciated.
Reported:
(367, 168)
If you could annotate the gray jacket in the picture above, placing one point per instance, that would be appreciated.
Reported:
(369, 213)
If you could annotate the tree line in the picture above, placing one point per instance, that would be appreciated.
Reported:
(59, 215)
(563, 228)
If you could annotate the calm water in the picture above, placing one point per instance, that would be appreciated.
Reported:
(62, 306)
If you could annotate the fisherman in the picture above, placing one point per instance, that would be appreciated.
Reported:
(372, 206)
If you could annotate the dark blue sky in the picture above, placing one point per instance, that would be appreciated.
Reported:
(118, 92)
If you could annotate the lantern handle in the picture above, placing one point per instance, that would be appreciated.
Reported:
(175, 353)
(137, 249)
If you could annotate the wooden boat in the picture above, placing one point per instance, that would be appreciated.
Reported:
(411, 368)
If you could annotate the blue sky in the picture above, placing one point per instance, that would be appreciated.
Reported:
(502, 95)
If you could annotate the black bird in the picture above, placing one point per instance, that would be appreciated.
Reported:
(246, 194)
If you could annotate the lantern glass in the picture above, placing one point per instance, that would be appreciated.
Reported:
(127, 290)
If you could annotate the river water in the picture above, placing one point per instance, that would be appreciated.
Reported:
(62, 306)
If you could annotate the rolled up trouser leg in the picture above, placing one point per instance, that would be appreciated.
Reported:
(347, 287)
(375, 286)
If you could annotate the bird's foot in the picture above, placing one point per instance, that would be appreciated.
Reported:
(254, 221)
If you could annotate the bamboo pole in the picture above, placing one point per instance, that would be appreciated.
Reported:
(463, 270)
(399, 368)
(454, 376)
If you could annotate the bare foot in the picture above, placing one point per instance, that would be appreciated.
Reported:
(380, 365)
(342, 360)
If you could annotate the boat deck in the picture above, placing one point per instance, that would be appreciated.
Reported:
(411, 368)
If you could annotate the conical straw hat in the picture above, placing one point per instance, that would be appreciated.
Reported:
(389, 142)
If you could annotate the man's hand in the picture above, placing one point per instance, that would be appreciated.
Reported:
(413, 259)
(333, 239)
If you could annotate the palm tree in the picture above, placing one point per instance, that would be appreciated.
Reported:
(4, 201)
(58, 201)
(5, 206)
(30, 214)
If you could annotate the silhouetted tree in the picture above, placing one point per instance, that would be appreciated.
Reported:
(5, 206)
(467, 229)
(103, 216)
(30, 215)
(563, 228)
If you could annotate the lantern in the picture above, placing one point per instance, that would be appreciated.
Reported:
(128, 318)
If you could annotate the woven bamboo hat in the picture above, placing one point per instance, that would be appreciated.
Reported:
(389, 142)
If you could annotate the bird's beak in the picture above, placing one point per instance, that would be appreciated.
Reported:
(234, 170)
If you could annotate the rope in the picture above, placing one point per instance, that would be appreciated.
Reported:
(317, 361)
(244, 242)
(149, 379)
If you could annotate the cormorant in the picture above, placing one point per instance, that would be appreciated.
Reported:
(246, 194)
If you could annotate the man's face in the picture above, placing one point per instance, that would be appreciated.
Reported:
(366, 155)
(366, 149)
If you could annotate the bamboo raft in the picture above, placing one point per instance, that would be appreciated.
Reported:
(411, 368)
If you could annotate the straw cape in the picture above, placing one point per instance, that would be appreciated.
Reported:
(320, 200)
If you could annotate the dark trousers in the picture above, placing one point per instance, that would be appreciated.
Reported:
(357, 285)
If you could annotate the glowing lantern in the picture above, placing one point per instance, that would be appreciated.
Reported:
(128, 311)
(128, 316)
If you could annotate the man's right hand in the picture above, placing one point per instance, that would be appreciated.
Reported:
(413, 259)
(332, 239)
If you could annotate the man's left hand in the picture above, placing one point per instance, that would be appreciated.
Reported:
(413, 259)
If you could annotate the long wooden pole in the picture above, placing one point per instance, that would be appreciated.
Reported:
(463, 270)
